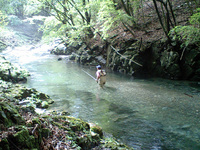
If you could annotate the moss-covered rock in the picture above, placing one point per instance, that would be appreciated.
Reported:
(11, 72)
(44, 104)
(23, 139)
(96, 131)
(113, 144)
(45, 132)
(9, 115)
(25, 96)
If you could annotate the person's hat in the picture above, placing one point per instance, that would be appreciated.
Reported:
(99, 67)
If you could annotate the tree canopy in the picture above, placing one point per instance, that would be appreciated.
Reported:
(79, 20)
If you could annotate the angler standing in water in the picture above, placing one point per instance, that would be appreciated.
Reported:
(100, 76)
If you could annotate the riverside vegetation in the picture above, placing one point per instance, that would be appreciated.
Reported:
(141, 38)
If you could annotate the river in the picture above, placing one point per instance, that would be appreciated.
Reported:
(146, 114)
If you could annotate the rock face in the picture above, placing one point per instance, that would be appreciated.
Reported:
(139, 58)
(174, 62)
(144, 59)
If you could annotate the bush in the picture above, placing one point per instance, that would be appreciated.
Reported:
(189, 35)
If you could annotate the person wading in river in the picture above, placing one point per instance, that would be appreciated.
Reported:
(100, 76)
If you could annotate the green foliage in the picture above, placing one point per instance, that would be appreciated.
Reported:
(3, 21)
(77, 34)
(32, 7)
(51, 29)
(67, 21)
(189, 35)
(21, 7)
(109, 18)
(78, 20)
(5, 6)
(71, 34)
(18, 7)
(13, 7)
(195, 18)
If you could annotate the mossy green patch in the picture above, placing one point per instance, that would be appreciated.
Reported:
(23, 139)
(113, 144)
(9, 115)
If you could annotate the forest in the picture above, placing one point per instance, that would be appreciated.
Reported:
(139, 37)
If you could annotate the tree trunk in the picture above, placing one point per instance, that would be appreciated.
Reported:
(167, 29)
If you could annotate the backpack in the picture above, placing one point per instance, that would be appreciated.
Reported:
(103, 73)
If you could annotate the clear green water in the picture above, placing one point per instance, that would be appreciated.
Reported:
(146, 114)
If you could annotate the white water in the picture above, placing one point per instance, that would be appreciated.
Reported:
(144, 113)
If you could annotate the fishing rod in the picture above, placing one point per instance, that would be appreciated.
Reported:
(89, 75)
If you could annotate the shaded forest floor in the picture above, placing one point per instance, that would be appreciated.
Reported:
(147, 28)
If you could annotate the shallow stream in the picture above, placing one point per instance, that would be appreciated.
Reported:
(146, 114)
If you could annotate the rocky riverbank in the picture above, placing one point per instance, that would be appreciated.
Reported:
(138, 58)
(23, 126)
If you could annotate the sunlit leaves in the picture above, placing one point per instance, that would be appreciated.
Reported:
(51, 28)
(188, 34)
(80, 17)
(33, 7)
(195, 18)
(109, 17)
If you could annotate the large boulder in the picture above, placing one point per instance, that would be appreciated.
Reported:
(59, 50)
(59, 47)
